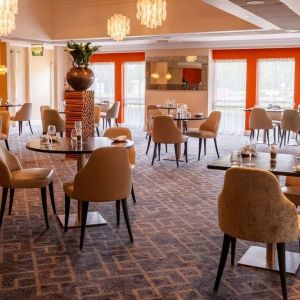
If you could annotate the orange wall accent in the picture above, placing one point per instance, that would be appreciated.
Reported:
(192, 75)
(3, 78)
(252, 56)
(119, 59)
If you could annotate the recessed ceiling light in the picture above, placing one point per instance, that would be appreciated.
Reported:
(255, 2)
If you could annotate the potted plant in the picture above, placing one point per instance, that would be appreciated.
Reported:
(80, 77)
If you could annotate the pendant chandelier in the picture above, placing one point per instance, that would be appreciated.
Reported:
(8, 11)
(151, 13)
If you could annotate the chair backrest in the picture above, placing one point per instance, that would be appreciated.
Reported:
(275, 115)
(151, 107)
(5, 116)
(104, 106)
(24, 113)
(292, 181)
(151, 116)
(252, 207)
(97, 114)
(52, 117)
(259, 119)
(212, 123)
(113, 112)
(290, 120)
(42, 109)
(105, 177)
(165, 131)
(114, 132)
(8, 164)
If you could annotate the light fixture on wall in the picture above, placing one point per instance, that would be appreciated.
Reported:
(168, 76)
(151, 13)
(155, 75)
(3, 69)
(8, 11)
(37, 50)
(191, 58)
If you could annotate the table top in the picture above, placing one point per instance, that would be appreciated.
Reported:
(68, 146)
(280, 110)
(285, 163)
(10, 105)
(190, 119)
(167, 107)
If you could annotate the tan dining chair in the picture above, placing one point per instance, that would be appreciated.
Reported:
(290, 123)
(292, 189)
(42, 109)
(151, 115)
(112, 113)
(252, 207)
(207, 130)
(276, 117)
(22, 115)
(4, 132)
(115, 132)
(166, 132)
(13, 176)
(97, 117)
(106, 177)
(149, 108)
(52, 117)
(105, 105)
(260, 120)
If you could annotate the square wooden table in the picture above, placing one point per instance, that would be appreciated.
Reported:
(261, 257)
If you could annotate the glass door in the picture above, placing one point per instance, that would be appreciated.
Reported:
(134, 94)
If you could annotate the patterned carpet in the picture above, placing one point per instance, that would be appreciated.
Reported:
(177, 240)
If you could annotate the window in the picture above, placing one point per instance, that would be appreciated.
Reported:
(276, 78)
(230, 93)
(134, 92)
(104, 84)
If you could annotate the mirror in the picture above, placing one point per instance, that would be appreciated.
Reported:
(177, 73)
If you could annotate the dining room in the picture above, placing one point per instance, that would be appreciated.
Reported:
(149, 149)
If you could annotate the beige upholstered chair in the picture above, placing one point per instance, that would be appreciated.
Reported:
(208, 130)
(149, 108)
(115, 132)
(151, 115)
(276, 117)
(292, 189)
(252, 207)
(259, 119)
(23, 114)
(290, 122)
(52, 117)
(13, 176)
(166, 132)
(105, 177)
(112, 113)
(97, 116)
(42, 109)
(4, 128)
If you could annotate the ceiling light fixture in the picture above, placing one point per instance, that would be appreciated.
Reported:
(151, 13)
(191, 58)
(8, 11)
(118, 26)
(255, 2)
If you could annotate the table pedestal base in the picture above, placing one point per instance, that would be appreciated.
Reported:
(93, 218)
(256, 257)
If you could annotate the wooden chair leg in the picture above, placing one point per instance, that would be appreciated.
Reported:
(223, 258)
(176, 154)
(118, 206)
(154, 153)
(11, 200)
(200, 146)
(103, 123)
(109, 123)
(3, 203)
(44, 203)
(125, 211)
(133, 194)
(84, 211)
(29, 123)
(233, 247)
(149, 142)
(281, 263)
(51, 193)
(159, 147)
(67, 211)
(20, 127)
(279, 133)
(204, 146)
(6, 144)
(216, 146)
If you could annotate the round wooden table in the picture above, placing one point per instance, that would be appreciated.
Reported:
(68, 146)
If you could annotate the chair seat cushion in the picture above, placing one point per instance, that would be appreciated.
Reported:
(292, 193)
(103, 114)
(196, 133)
(184, 138)
(32, 178)
(3, 136)
(68, 188)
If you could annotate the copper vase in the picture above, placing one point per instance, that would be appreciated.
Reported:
(80, 78)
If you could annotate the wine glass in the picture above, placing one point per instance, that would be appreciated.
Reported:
(235, 159)
(51, 133)
(250, 150)
(78, 125)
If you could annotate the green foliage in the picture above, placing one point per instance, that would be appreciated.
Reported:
(80, 53)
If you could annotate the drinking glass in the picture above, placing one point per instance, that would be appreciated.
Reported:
(250, 149)
(236, 159)
(78, 125)
(51, 133)
(73, 134)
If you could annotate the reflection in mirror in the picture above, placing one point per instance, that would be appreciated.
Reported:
(177, 73)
